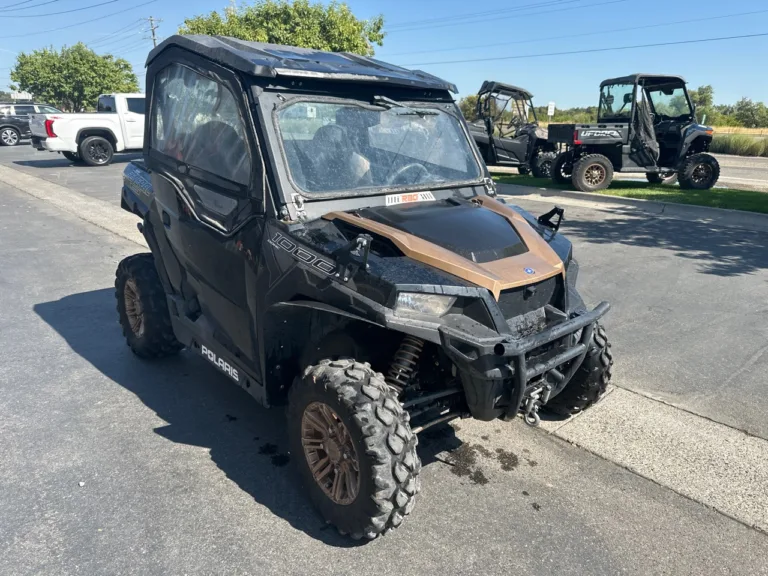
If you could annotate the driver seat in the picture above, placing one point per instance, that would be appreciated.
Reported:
(336, 165)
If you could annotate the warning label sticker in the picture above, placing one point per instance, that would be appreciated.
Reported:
(394, 199)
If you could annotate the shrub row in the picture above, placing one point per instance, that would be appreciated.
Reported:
(740, 145)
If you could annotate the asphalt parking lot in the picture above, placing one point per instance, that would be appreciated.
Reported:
(182, 474)
(97, 182)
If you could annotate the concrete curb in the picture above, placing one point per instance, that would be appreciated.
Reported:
(97, 212)
(716, 216)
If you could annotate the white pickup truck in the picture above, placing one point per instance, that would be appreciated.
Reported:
(117, 126)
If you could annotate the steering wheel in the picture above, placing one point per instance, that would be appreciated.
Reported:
(412, 166)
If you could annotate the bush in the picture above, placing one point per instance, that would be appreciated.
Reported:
(740, 145)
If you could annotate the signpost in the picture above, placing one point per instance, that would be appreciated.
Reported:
(551, 110)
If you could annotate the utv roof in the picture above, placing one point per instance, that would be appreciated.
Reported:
(273, 60)
(632, 78)
(491, 86)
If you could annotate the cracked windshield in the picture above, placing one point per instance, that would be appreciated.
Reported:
(341, 146)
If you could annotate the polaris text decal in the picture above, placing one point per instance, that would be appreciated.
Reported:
(599, 134)
(394, 199)
(280, 241)
(220, 363)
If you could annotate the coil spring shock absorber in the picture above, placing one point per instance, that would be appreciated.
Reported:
(405, 362)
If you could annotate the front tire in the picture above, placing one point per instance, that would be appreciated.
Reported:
(96, 151)
(10, 137)
(562, 168)
(353, 446)
(592, 172)
(542, 164)
(699, 172)
(591, 379)
(143, 308)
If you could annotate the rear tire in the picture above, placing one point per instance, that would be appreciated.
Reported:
(562, 168)
(143, 308)
(72, 157)
(10, 137)
(542, 164)
(378, 478)
(592, 172)
(699, 172)
(591, 379)
(96, 151)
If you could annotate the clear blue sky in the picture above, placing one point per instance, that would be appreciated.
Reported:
(507, 28)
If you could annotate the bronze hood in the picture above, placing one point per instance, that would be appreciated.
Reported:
(533, 261)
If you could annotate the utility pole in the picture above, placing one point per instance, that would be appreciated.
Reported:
(153, 25)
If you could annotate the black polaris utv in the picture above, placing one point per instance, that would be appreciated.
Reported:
(507, 131)
(646, 124)
(324, 232)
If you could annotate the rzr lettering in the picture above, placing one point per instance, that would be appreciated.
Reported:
(302, 255)
(220, 363)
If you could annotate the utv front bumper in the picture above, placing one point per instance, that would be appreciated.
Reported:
(498, 373)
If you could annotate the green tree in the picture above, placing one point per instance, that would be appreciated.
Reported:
(747, 113)
(73, 77)
(468, 107)
(296, 23)
(703, 96)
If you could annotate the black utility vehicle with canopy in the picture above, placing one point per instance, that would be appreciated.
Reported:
(324, 232)
(646, 124)
(507, 131)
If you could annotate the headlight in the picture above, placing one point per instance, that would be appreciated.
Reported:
(409, 303)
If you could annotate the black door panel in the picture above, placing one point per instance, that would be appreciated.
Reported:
(209, 197)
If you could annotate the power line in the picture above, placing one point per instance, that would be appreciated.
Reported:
(62, 12)
(28, 7)
(135, 49)
(109, 38)
(17, 4)
(430, 21)
(581, 35)
(123, 43)
(483, 21)
(78, 23)
(120, 35)
(521, 56)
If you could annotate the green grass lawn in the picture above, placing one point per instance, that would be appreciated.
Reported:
(749, 200)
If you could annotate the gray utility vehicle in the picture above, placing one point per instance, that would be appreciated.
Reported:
(507, 131)
(646, 123)
(323, 231)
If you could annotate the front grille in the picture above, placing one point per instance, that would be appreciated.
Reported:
(524, 299)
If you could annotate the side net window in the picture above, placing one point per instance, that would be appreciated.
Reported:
(196, 121)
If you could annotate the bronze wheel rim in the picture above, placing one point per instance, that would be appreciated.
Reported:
(594, 175)
(701, 173)
(133, 309)
(330, 453)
